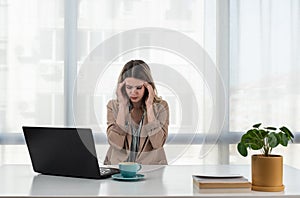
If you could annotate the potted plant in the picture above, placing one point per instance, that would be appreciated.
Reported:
(266, 168)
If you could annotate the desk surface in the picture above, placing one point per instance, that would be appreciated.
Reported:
(160, 181)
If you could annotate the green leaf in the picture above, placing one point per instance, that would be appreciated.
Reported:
(283, 139)
(278, 137)
(252, 139)
(246, 138)
(242, 149)
(272, 140)
(263, 133)
(287, 132)
(254, 133)
(256, 144)
(256, 125)
(271, 128)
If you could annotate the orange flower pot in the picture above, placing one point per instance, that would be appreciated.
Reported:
(267, 173)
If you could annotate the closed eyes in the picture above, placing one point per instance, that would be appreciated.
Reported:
(137, 87)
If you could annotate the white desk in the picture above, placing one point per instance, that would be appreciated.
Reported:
(167, 181)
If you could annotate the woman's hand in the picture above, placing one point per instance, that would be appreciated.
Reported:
(149, 100)
(122, 99)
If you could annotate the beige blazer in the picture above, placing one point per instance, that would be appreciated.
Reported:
(152, 137)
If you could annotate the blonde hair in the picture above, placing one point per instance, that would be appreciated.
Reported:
(140, 70)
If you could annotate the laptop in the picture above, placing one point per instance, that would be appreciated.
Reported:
(64, 152)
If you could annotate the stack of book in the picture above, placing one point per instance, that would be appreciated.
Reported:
(228, 183)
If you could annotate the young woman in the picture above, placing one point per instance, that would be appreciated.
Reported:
(138, 120)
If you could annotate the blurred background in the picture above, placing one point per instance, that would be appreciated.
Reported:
(254, 44)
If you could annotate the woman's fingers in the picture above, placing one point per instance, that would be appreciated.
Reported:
(121, 84)
(149, 87)
(120, 95)
(150, 98)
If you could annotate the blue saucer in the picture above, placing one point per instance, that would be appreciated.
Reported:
(120, 177)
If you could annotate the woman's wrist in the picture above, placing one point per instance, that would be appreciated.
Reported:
(149, 105)
(150, 113)
(121, 115)
(122, 105)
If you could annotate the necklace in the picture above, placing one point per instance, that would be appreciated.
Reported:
(137, 115)
(135, 140)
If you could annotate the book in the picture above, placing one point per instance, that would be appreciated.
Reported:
(218, 182)
(220, 190)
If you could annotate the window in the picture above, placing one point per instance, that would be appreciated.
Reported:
(98, 21)
(45, 48)
(264, 69)
(31, 70)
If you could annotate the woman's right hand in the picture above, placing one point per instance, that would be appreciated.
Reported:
(122, 99)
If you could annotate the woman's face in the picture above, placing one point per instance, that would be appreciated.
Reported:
(135, 89)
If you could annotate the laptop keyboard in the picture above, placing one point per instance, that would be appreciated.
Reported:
(104, 171)
(108, 171)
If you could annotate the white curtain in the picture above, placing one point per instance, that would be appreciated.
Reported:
(177, 79)
(261, 78)
(265, 68)
(31, 71)
(32, 65)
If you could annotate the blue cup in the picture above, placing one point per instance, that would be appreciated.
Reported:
(129, 169)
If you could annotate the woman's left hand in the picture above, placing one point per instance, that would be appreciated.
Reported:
(149, 100)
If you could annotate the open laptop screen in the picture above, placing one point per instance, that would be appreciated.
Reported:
(63, 151)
